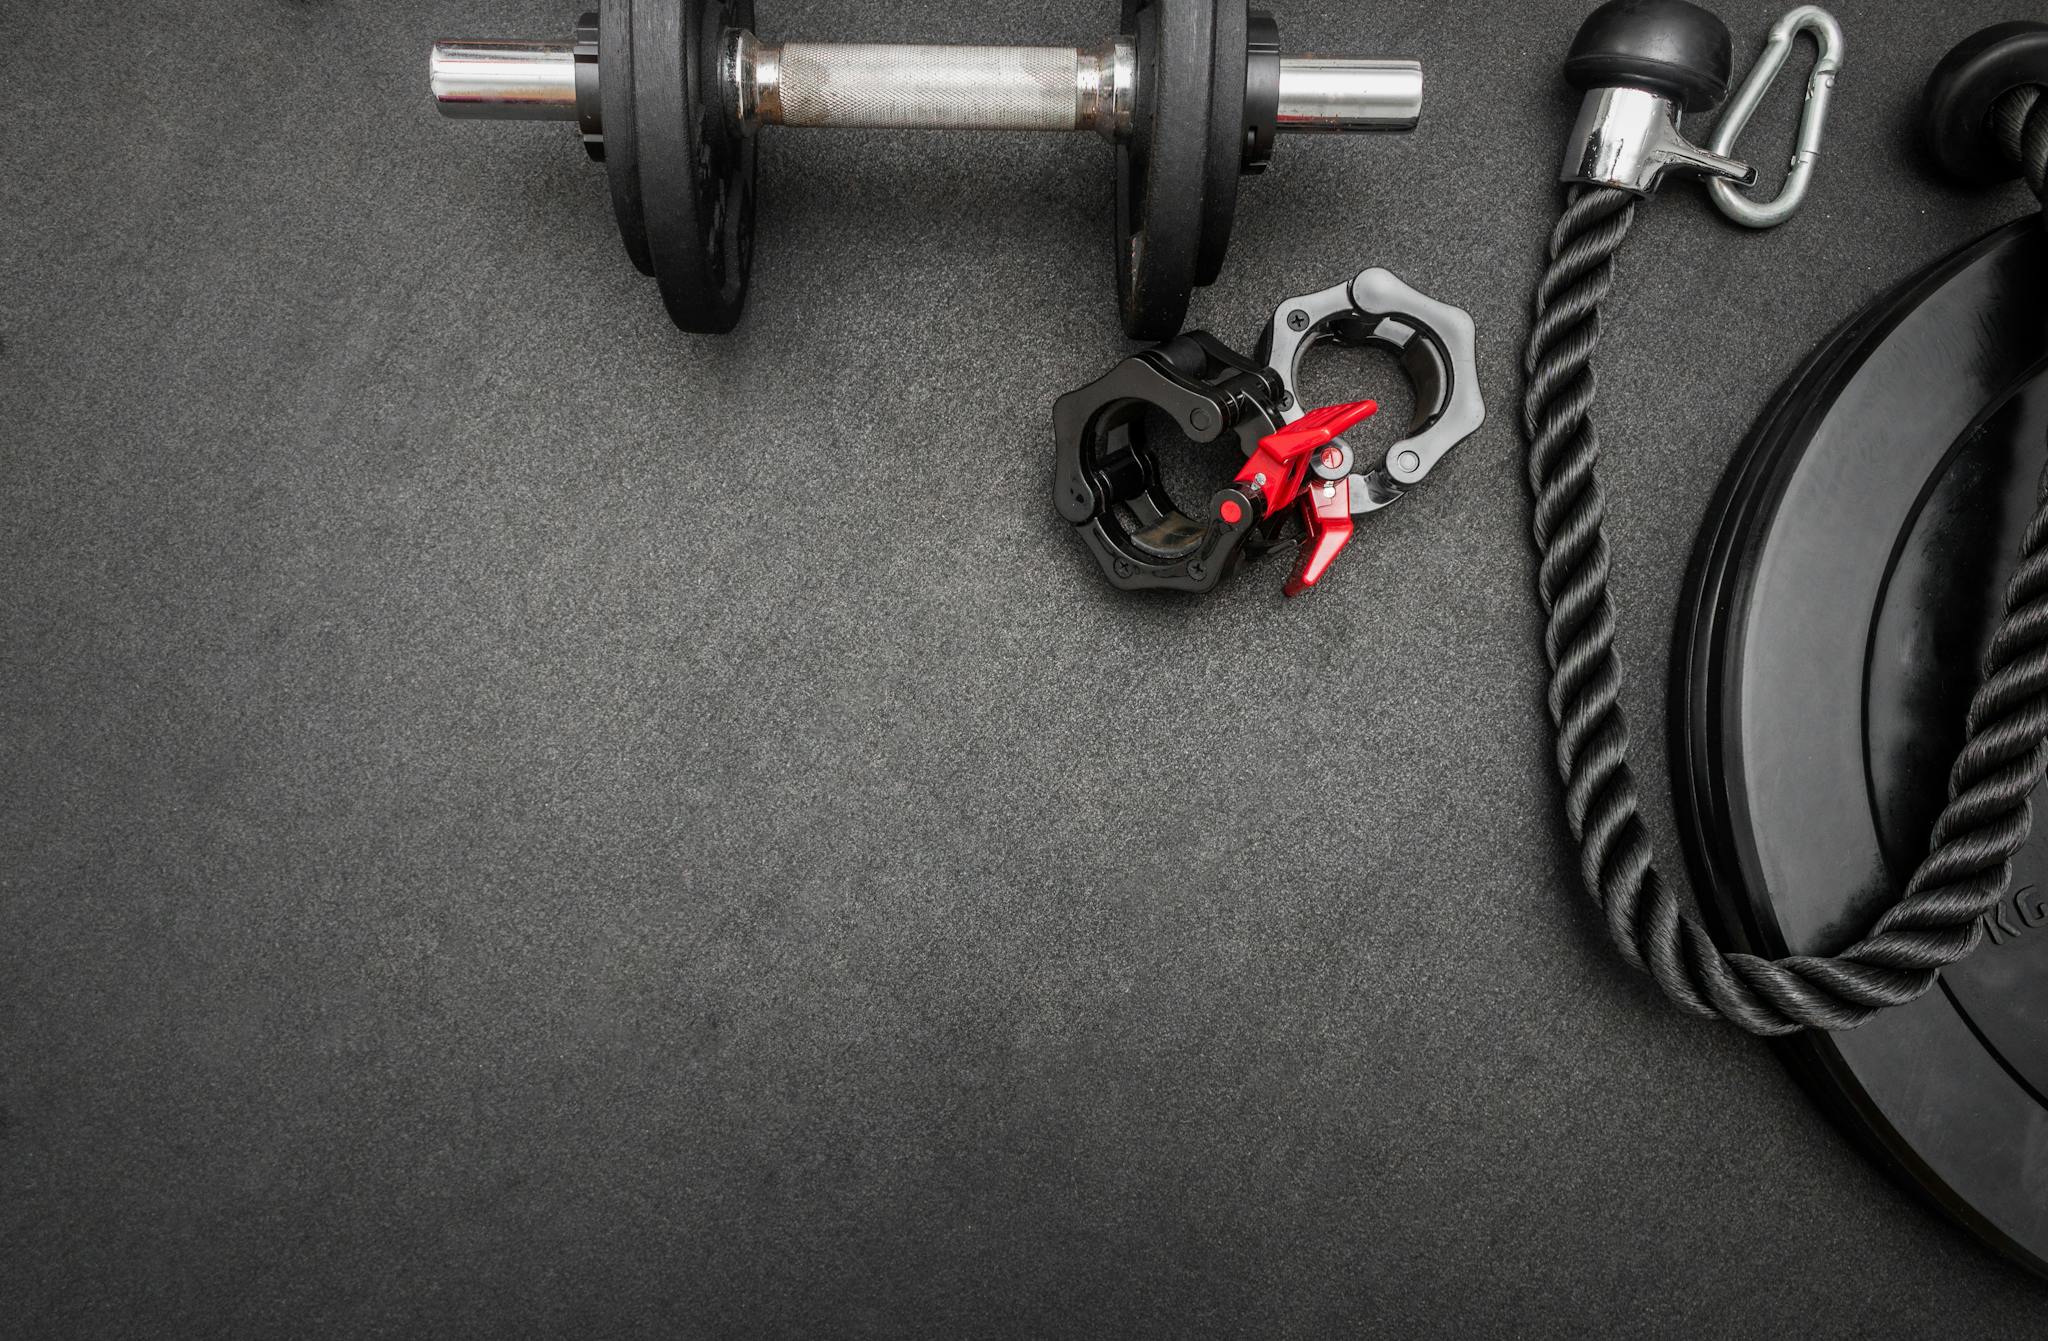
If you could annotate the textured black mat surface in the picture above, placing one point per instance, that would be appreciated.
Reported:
(517, 821)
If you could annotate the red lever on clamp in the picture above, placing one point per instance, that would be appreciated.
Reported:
(1327, 511)
(1278, 470)
(1282, 458)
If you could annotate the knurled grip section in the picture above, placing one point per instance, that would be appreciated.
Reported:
(926, 87)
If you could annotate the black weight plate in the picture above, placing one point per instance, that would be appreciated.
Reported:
(696, 168)
(621, 145)
(1841, 599)
(1162, 170)
(1231, 46)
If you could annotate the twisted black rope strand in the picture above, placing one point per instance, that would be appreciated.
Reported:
(1938, 920)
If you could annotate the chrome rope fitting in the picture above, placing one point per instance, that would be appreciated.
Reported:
(1643, 66)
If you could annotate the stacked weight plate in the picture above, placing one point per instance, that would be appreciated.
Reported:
(1841, 600)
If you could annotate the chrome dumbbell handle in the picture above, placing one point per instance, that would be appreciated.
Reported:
(845, 85)
(903, 87)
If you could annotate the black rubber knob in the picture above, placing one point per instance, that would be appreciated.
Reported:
(1669, 47)
(1967, 85)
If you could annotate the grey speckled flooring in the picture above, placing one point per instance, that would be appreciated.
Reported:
(516, 821)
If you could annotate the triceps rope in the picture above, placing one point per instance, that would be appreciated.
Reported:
(1938, 919)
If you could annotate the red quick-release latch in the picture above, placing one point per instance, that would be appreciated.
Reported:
(1282, 460)
(1327, 511)
(1278, 470)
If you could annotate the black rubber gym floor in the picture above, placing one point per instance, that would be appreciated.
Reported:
(515, 821)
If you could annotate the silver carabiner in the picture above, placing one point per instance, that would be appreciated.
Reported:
(1820, 89)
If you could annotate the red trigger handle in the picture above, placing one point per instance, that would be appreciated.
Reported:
(1281, 462)
(1278, 473)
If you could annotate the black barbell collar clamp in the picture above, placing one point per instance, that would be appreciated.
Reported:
(1107, 480)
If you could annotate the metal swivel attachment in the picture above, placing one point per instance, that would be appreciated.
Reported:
(1644, 64)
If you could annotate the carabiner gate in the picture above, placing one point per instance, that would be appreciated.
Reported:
(1820, 89)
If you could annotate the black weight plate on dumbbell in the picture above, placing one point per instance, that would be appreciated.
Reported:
(696, 167)
(621, 145)
(1840, 602)
(1231, 46)
(1162, 169)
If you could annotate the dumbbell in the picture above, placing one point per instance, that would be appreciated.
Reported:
(669, 94)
